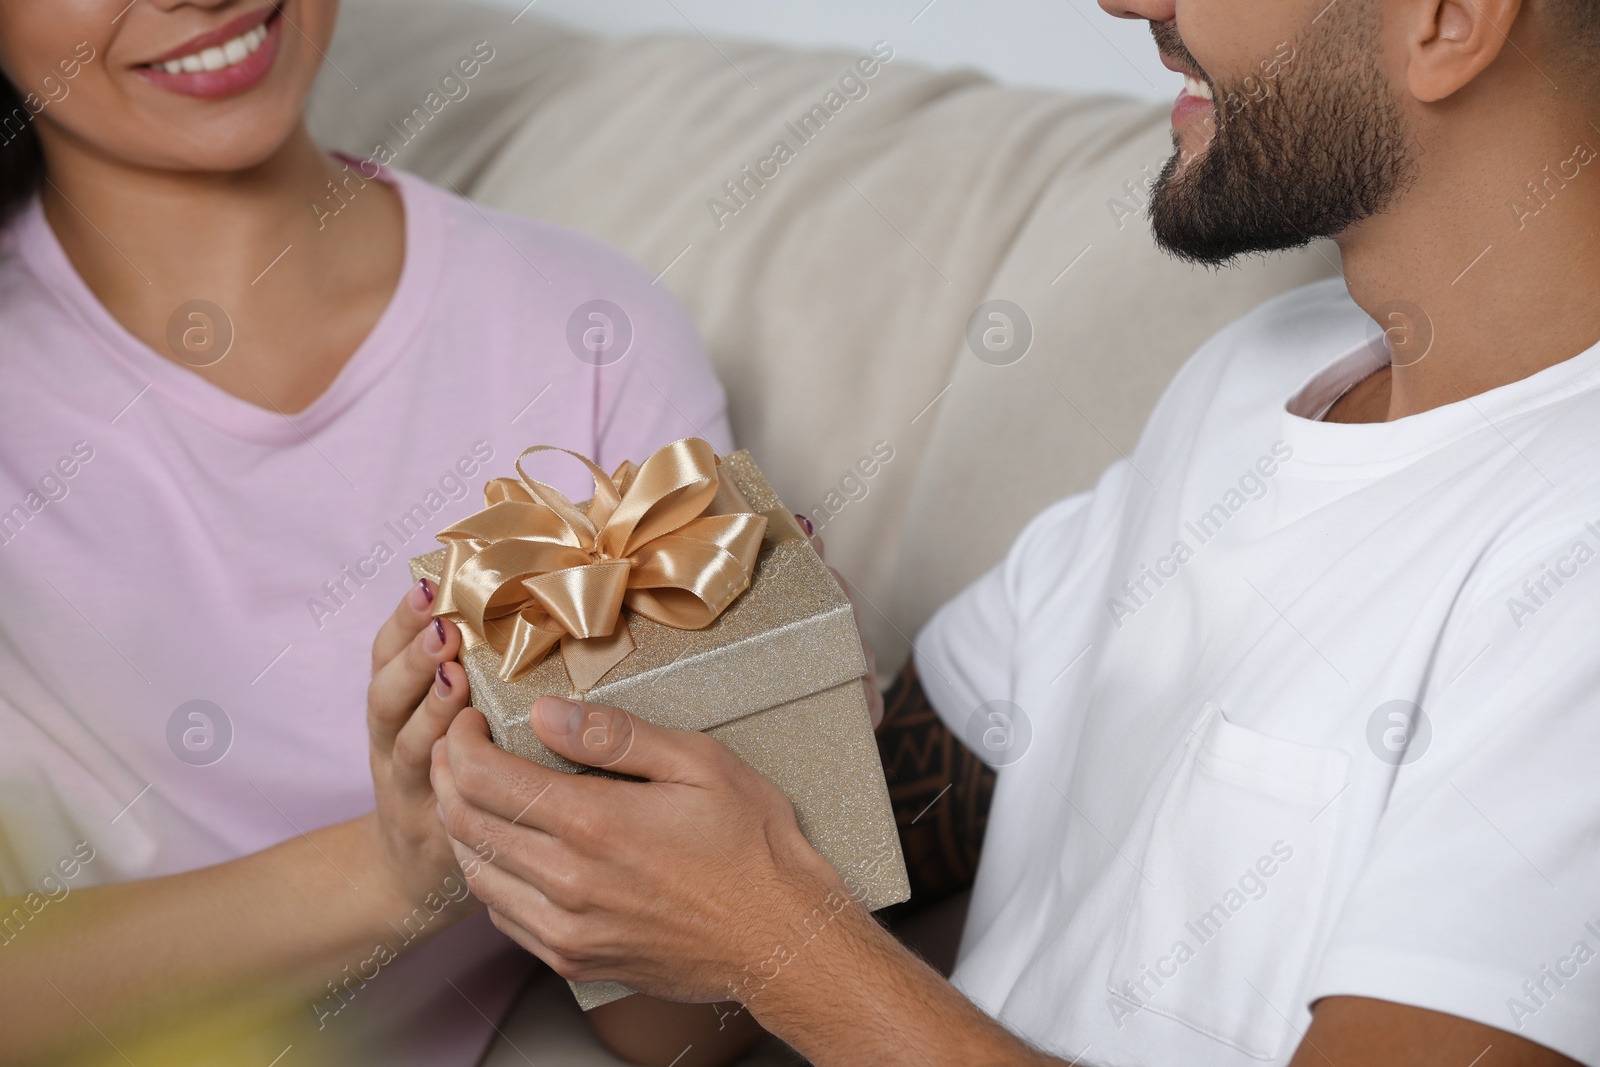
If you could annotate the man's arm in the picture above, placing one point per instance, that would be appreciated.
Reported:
(695, 883)
(940, 791)
(861, 999)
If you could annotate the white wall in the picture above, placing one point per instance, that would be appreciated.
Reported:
(1069, 44)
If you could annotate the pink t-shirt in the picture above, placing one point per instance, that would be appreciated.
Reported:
(163, 543)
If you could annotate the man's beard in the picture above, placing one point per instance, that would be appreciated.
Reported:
(1324, 148)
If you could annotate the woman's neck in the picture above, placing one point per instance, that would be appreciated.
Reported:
(300, 286)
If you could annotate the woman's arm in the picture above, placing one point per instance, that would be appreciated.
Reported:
(267, 927)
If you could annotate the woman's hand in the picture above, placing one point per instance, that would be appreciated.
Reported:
(870, 682)
(417, 689)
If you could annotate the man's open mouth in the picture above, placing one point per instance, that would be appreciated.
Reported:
(1197, 87)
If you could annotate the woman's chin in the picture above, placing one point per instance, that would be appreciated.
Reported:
(237, 149)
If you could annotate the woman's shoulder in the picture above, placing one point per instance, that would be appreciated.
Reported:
(486, 240)
(17, 282)
(530, 284)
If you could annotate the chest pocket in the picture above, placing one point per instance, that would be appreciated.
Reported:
(1219, 933)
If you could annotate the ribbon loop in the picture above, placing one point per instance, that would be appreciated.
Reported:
(668, 539)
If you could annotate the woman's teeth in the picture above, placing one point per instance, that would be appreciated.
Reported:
(220, 56)
(1196, 87)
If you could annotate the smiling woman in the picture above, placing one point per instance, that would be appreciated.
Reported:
(262, 395)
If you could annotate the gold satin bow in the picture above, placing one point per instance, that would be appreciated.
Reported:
(670, 540)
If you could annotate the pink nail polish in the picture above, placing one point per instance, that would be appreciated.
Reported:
(435, 640)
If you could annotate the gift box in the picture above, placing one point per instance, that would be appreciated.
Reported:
(686, 593)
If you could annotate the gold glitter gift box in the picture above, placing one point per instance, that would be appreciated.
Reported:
(776, 677)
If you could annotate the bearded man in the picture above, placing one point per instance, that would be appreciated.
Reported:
(1308, 681)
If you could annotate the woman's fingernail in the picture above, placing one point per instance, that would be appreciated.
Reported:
(805, 523)
(444, 686)
(435, 640)
(421, 596)
(427, 590)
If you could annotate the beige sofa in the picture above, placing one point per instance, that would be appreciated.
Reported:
(836, 282)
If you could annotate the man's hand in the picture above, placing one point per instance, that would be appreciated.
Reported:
(694, 884)
(672, 886)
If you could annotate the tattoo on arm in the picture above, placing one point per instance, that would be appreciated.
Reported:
(940, 792)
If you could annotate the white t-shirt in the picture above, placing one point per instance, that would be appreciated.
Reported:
(1220, 802)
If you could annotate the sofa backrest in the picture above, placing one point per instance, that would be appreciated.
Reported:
(841, 225)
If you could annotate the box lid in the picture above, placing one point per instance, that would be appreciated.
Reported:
(791, 634)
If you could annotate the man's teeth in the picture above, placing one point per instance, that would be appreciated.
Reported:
(223, 55)
(1196, 87)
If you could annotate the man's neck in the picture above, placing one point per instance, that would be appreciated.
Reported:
(1488, 269)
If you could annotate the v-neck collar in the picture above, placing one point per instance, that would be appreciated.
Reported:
(407, 309)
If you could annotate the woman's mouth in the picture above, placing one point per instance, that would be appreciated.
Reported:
(236, 50)
(222, 63)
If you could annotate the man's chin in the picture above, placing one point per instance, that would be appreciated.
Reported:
(1182, 222)
(1200, 255)
(1201, 217)
(1190, 143)
(1204, 239)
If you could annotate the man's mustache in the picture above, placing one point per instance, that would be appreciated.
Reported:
(1169, 42)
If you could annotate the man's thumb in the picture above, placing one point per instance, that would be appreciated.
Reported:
(614, 740)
